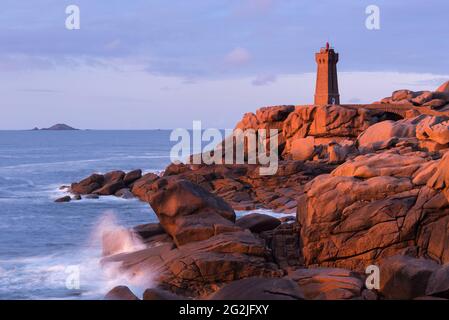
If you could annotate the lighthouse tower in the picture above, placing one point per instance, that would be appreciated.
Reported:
(326, 91)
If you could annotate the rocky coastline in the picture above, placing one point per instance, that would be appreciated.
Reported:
(368, 187)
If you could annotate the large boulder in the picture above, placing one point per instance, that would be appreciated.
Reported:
(378, 135)
(87, 185)
(427, 99)
(274, 114)
(435, 129)
(112, 182)
(381, 164)
(444, 88)
(302, 148)
(132, 176)
(400, 95)
(188, 212)
(104, 185)
(404, 277)
(120, 293)
(260, 289)
(175, 169)
(257, 222)
(63, 199)
(141, 187)
(110, 188)
(113, 177)
(265, 117)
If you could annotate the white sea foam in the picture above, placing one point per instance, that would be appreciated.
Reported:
(45, 276)
(69, 164)
(265, 211)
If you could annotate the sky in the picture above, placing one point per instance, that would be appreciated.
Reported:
(150, 64)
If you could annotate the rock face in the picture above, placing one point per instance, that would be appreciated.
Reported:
(309, 131)
(372, 207)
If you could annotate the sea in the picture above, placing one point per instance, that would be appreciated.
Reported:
(42, 242)
(52, 250)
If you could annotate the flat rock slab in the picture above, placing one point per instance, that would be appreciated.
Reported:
(256, 288)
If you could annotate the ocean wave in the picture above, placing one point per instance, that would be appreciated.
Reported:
(265, 211)
(14, 181)
(47, 276)
(75, 162)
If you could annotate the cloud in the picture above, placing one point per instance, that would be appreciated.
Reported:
(238, 56)
(263, 80)
(436, 82)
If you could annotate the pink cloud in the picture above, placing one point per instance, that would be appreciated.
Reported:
(238, 56)
(263, 80)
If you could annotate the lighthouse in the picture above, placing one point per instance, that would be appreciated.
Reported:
(326, 91)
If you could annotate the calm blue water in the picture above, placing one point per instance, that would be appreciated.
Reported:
(39, 239)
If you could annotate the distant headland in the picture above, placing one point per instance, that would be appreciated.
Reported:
(57, 127)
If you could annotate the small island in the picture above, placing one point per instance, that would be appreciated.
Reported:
(57, 127)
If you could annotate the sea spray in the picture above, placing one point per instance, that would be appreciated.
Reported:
(116, 239)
